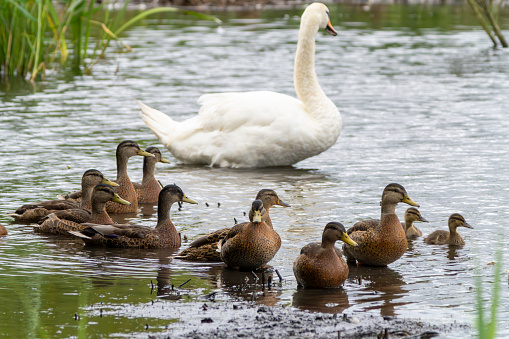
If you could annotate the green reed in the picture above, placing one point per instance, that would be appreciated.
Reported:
(486, 328)
(36, 34)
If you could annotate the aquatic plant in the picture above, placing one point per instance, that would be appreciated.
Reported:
(486, 329)
(34, 34)
(487, 11)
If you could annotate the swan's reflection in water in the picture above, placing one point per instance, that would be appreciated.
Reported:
(383, 286)
(330, 300)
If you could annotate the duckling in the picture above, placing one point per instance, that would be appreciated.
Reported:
(440, 237)
(321, 265)
(164, 235)
(252, 245)
(385, 242)
(412, 214)
(204, 248)
(125, 150)
(3, 231)
(148, 190)
(36, 212)
(63, 221)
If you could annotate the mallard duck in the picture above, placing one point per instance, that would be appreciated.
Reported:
(148, 190)
(440, 237)
(63, 221)
(164, 235)
(3, 231)
(88, 181)
(204, 248)
(383, 243)
(252, 245)
(321, 265)
(125, 150)
(244, 129)
(412, 214)
(37, 211)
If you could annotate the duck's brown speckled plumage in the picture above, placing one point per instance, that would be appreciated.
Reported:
(164, 235)
(36, 212)
(252, 245)
(148, 191)
(321, 265)
(204, 248)
(453, 238)
(383, 243)
(64, 221)
(412, 214)
(125, 150)
(3, 231)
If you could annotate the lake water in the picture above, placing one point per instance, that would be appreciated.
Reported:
(424, 100)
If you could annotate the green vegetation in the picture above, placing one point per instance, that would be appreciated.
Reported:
(36, 34)
(486, 329)
(487, 12)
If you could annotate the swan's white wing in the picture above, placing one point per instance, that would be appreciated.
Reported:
(227, 112)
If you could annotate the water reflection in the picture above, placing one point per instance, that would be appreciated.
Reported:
(382, 286)
(260, 287)
(333, 300)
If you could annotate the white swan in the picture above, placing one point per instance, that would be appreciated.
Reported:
(261, 128)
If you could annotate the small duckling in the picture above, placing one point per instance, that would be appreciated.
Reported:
(384, 242)
(441, 237)
(148, 190)
(252, 245)
(321, 265)
(412, 214)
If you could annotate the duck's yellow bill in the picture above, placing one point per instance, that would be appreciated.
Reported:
(117, 198)
(409, 201)
(144, 154)
(109, 182)
(189, 201)
(348, 240)
(166, 161)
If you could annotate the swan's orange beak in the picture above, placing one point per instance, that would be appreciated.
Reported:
(329, 29)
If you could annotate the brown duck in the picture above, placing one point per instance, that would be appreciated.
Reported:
(125, 150)
(440, 237)
(252, 245)
(148, 191)
(164, 235)
(62, 222)
(3, 231)
(321, 265)
(37, 211)
(204, 248)
(385, 242)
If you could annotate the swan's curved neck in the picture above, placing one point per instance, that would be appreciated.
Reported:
(306, 82)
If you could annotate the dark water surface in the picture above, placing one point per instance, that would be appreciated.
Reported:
(424, 100)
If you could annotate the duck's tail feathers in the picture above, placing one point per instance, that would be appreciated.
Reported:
(79, 235)
(13, 215)
(157, 121)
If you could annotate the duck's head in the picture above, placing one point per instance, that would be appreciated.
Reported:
(270, 198)
(157, 155)
(103, 193)
(395, 193)
(412, 214)
(172, 193)
(94, 177)
(318, 14)
(456, 220)
(334, 231)
(129, 148)
(258, 213)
